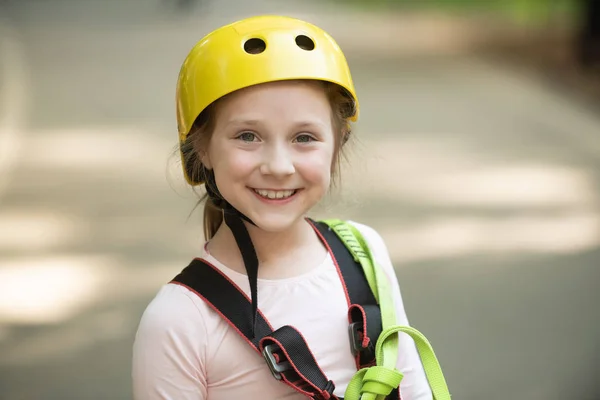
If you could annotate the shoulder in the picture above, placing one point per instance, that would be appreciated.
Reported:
(170, 347)
(367, 231)
(378, 249)
(374, 240)
(174, 311)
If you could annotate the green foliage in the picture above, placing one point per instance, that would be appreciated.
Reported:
(524, 11)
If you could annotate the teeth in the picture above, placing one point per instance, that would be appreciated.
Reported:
(275, 194)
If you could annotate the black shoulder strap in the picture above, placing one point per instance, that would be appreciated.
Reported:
(285, 351)
(364, 314)
(226, 298)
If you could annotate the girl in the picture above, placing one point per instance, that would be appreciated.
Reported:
(264, 107)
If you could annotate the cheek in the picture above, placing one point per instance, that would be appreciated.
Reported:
(316, 167)
(241, 164)
(231, 173)
(231, 165)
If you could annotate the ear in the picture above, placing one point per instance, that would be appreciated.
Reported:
(202, 155)
(205, 159)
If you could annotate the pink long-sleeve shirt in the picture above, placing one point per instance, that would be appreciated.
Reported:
(184, 350)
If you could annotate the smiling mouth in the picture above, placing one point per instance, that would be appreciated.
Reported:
(275, 194)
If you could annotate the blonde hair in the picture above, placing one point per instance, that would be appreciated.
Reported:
(342, 107)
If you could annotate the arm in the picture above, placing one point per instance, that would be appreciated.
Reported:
(414, 385)
(169, 349)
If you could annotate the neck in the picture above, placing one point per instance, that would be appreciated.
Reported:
(272, 248)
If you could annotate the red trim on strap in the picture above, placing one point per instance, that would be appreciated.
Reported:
(173, 282)
(287, 356)
(304, 339)
(365, 339)
(231, 324)
(202, 260)
(305, 382)
(339, 271)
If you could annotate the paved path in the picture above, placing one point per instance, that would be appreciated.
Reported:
(483, 181)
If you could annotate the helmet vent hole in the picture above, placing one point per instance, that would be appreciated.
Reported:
(305, 43)
(255, 46)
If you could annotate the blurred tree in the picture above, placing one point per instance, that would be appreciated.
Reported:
(588, 47)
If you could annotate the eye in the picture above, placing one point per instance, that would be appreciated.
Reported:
(247, 137)
(304, 138)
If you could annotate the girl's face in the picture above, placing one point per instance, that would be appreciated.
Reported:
(272, 151)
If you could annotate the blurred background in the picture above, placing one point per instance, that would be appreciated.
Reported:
(477, 158)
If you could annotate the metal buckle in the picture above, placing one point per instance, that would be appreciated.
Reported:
(355, 339)
(275, 367)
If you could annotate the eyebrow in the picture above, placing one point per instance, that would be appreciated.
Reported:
(243, 121)
(256, 122)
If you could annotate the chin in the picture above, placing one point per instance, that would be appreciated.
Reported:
(277, 222)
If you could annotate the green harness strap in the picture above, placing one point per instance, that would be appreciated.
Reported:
(376, 382)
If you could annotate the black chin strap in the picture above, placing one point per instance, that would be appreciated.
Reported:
(242, 238)
(233, 218)
(215, 196)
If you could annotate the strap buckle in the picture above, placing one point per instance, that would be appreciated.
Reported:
(276, 367)
(356, 335)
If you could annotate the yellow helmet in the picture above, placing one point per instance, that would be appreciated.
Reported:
(252, 51)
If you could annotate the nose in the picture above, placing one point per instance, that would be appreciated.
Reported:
(277, 162)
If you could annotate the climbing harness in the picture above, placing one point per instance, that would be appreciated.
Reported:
(373, 333)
